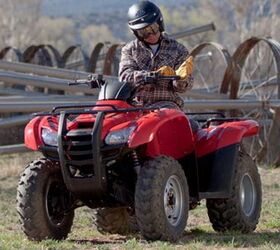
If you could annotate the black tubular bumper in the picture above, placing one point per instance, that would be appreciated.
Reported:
(95, 185)
(89, 153)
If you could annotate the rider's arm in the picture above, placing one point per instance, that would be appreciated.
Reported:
(185, 84)
(128, 69)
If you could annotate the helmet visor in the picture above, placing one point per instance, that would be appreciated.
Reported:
(149, 30)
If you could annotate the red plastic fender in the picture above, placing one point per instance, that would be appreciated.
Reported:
(229, 133)
(166, 132)
(31, 133)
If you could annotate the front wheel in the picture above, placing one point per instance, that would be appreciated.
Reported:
(241, 211)
(162, 199)
(43, 202)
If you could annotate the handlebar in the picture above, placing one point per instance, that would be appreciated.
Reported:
(154, 76)
(97, 81)
(92, 81)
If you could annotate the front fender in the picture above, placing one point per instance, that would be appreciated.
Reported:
(165, 132)
(33, 129)
(31, 133)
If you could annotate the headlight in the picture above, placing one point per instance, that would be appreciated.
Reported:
(120, 136)
(49, 137)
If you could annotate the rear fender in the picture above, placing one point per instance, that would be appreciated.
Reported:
(165, 132)
(229, 133)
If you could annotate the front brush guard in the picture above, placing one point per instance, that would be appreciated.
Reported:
(95, 184)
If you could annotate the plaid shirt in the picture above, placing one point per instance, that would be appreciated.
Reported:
(137, 60)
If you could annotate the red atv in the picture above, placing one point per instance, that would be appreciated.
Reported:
(140, 168)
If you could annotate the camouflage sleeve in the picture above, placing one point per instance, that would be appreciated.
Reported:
(182, 85)
(128, 69)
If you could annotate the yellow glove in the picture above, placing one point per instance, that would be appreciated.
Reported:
(166, 71)
(185, 68)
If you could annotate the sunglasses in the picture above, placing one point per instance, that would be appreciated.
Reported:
(149, 30)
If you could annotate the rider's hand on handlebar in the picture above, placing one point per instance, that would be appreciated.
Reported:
(166, 71)
(185, 69)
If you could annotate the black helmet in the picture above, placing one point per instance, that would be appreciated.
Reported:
(143, 14)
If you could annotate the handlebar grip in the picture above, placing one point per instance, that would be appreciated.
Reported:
(72, 83)
(155, 76)
(172, 78)
(91, 81)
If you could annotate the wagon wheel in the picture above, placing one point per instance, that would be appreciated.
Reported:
(11, 54)
(111, 62)
(254, 75)
(100, 58)
(42, 54)
(93, 60)
(211, 61)
(74, 58)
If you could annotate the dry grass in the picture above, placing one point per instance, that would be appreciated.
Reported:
(13, 164)
(198, 235)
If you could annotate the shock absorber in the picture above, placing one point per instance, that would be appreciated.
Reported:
(136, 162)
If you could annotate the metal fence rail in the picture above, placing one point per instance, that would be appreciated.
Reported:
(47, 77)
(195, 30)
(196, 105)
(14, 121)
(41, 82)
(18, 148)
(47, 71)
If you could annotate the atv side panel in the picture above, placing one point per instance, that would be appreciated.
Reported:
(166, 132)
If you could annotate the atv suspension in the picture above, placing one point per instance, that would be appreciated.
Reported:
(136, 162)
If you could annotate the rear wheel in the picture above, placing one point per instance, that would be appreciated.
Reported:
(118, 220)
(43, 202)
(162, 199)
(241, 211)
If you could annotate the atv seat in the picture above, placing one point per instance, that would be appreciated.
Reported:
(194, 125)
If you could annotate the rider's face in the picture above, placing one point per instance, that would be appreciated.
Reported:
(150, 34)
(153, 38)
